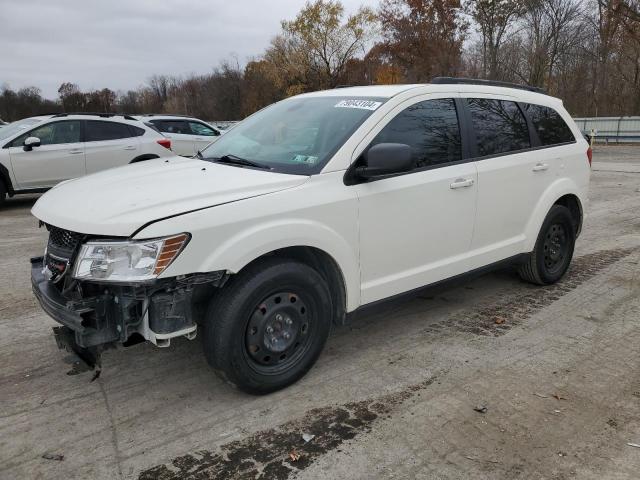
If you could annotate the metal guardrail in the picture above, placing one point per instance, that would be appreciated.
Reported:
(611, 129)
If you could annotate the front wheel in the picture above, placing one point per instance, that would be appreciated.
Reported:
(266, 328)
(553, 251)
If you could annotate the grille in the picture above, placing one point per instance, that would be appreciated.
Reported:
(62, 243)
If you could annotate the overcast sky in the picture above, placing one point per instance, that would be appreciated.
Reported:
(120, 43)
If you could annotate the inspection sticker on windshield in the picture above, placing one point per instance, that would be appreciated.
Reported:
(364, 104)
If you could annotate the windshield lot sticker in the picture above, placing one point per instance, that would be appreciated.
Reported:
(364, 104)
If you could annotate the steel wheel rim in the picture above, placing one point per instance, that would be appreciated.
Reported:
(556, 247)
(278, 332)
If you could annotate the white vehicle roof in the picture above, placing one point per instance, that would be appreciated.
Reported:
(389, 91)
(168, 117)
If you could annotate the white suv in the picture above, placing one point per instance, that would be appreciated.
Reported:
(188, 135)
(307, 211)
(39, 152)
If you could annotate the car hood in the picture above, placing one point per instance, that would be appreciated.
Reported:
(119, 201)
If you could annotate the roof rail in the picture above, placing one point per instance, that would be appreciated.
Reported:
(95, 114)
(488, 83)
(165, 115)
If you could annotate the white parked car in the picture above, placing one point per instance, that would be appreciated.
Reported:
(307, 211)
(188, 135)
(39, 152)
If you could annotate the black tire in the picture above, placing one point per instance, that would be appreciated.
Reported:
(268, 325)
(553, 251)
(3, 192)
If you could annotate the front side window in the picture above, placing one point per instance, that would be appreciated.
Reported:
(550, 126)
(198, 128)
(17, 127)
(298, 135)
(499, 126)
(54, 133)
(430, 128)
(98, 130)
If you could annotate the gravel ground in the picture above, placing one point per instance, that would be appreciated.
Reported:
(394, 395)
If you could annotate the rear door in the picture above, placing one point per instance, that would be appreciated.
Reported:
(512, 176)
(59, 157)
(180, 134)
(416, 228)
(109, 144)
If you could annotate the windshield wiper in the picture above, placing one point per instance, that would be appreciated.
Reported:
(199, 155)
(234, 160)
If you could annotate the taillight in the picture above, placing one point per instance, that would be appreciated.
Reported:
(165, 142)
(589, 155)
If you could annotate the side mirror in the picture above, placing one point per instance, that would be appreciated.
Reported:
(385, 159)
(31, 142)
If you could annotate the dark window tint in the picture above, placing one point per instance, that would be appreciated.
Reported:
(499, 126)
(173, 126)
(549, 124)
(101, 130)
(67, 131)
(137, 131)
(430, 128)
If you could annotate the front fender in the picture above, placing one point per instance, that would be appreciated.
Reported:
(240, 250)
(559, 188)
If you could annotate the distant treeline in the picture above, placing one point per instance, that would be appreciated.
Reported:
(585, 51)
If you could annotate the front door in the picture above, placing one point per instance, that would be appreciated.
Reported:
(203, 135)
(416, 228)
(59, 157)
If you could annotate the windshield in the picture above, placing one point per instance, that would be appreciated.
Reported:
(16, 127)
(296, 136)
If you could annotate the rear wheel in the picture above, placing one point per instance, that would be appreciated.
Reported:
(553, 251)
(266, 328)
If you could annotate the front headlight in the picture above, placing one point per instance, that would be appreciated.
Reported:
(127, 261)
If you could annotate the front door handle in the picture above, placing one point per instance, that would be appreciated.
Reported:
(540, 167)
(462, 183)
(76, 151)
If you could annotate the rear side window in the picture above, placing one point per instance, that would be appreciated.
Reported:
(499, 125)
(137, 131)
(98, 130)
(173, 126)
(430, 128)
(550, 126)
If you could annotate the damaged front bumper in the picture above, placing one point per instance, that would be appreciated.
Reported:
(98, 316)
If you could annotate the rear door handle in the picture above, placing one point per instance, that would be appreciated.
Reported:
(462, 183)
(540, 167)
(76, 151)
(130, 147)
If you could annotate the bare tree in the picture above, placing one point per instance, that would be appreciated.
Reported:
(494, 18)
